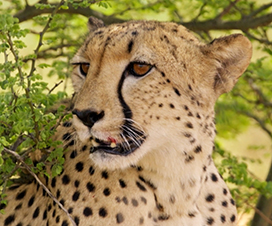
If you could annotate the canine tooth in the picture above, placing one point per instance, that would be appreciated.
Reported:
(94, 143)
(113, 145)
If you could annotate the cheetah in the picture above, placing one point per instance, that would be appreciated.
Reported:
(138, 149)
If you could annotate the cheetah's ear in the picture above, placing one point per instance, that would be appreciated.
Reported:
(94, 23)
(232, 55)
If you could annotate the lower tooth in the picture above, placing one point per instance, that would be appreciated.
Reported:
(95, 144)
(113, 145)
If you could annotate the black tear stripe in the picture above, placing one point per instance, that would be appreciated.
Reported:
(126, 109)
(127, 112)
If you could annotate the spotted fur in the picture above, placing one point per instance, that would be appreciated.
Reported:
(138, 151)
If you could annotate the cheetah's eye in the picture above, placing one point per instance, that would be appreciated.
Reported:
(83, 68)
(139, 69)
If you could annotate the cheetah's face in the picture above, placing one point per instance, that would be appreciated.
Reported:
(142, 85)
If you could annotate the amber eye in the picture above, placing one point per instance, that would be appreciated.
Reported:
(83, 68)
(139, 69)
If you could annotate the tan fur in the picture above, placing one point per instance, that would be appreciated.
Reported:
(170, 179)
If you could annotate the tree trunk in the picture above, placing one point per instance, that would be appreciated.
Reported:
(265, 206)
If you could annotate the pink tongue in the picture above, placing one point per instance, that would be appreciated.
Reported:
(112, 140)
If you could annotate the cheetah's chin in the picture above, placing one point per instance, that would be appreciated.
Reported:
(123, 149)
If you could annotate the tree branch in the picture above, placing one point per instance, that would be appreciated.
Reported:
(244, 24)
(31, 11)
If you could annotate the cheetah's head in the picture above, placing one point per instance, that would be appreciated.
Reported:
(145, 86)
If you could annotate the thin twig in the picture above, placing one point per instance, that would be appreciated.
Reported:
(54, 87)
(18, 157)
(227, 9)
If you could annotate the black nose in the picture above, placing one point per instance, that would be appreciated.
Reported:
(88, 117)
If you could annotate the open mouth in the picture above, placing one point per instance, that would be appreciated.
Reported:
(125, 148)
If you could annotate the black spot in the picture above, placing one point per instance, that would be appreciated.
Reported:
(134, 202)
(160, 105)
(191, 215)
(66, 136)
(119, 218)
(77, 183)
(79, 166)
(58, 193)
(186, 108)
(90, 187)
(189, 125)
(198, 116)
(198, 149)
(9, 220)
(67, 124)
(57, 219)
(62, 202)
(122, 183)
(130, 45)
(76, 220)
(75, 196)
(134, 33)
(225, 191)
(73, 154)
(177, 91)
(64, 223)
(143, 199)
(118, 199)
(21, 195)
(31, 201)
(125, 200)
(190, 87)
(87, 211)
(140, 186)
(14, 187)
(162, 73)
(225, 203)
(233, 218)
(70, 210)
(214, 177)
(19, 206)
(103, 212)
(53, 182)
(44, 214)
(19, 224)
(104, 174)
(106, 192)
(65, 179)
(163, 217)
(168, 81)
(210, 198)
(36, 213)
(171, 105)
(72, 142)
(232, 202)
(189, 158)
(91, 170)
(141, 220)
(210, 221)
(190, 114)
(223, 218)
(84, 148)
(49, 207)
